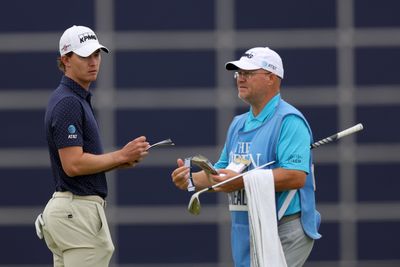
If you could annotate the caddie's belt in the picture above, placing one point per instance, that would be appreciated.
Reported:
(289, 218)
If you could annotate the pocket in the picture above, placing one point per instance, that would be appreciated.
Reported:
(57, 208)
(99, 221)
(86, 216)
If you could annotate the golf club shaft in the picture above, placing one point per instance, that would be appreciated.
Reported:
(239, 175)
(324, 141)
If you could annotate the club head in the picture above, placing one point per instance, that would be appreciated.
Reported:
(166, 142)
(194, 206)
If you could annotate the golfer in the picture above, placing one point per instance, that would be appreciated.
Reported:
(272, 130)
(74, 225)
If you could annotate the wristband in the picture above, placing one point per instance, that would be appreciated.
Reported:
(191, 187)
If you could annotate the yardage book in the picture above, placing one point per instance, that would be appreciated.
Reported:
(208, 167)
(204, 164)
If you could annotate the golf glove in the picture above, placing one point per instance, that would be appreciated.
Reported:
(38, 225)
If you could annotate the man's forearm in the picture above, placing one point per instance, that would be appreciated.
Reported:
(201, 180)
(87, 163)
(288, 179)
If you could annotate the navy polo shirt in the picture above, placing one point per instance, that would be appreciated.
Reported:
(70, 121)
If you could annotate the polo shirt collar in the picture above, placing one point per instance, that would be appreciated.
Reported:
(267, 111)
(76, 88)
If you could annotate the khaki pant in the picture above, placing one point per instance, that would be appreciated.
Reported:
(76, 231)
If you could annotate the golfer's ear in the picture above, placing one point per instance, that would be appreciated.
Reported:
(65, 60)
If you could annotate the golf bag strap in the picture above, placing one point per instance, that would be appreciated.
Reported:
(286, 203)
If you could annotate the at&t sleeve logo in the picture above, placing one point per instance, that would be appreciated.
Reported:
(72, 132)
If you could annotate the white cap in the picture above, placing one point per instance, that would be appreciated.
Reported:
(258, 58)
(81, 40)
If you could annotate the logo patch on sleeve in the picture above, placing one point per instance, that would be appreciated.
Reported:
(296, 159)
(72, 132)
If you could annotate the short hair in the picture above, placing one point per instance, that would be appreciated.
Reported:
(60, 64)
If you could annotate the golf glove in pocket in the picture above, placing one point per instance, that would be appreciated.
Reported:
(38, 225)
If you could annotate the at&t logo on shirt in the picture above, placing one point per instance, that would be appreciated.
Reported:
(72, 132)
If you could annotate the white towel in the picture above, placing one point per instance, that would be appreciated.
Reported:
(265, 245)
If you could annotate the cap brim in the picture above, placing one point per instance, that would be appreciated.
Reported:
(89, 49)
(240, 64)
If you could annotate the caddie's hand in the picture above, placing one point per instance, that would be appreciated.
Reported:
(135, 151)
(231, 186)
(180, 175)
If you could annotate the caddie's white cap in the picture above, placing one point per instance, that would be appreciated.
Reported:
(258, 58)
(81, 40)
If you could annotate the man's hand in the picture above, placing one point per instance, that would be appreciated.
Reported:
(231, 186)
(180, 175)
(135, 151)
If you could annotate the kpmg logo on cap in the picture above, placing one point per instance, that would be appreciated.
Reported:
(87, 36)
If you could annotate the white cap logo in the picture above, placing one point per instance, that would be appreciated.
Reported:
(81, 40)
(248, 55)
(258, 58)
(87, 36)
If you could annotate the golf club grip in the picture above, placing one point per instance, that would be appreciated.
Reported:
(338, 135)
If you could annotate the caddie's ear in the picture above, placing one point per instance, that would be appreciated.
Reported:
(276, 82)
(271, 78)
